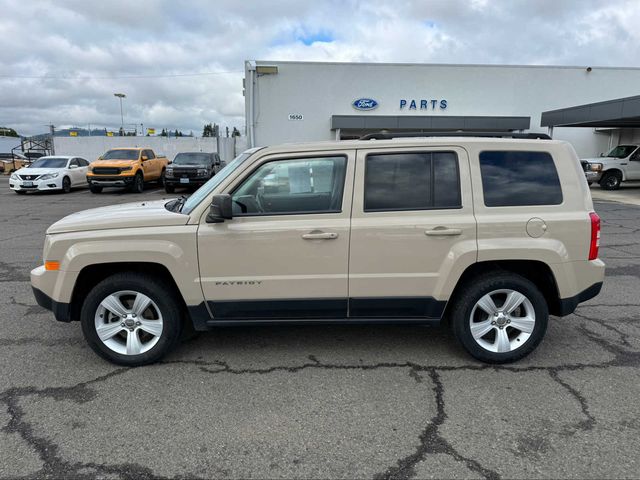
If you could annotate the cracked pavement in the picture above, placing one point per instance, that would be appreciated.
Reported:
(377, 402)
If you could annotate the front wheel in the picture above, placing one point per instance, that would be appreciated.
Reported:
(131, 319)
(611, 181)
(138, 183)
(66, 185)
(169, 188)
(499, 317)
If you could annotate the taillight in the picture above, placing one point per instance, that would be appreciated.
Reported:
(595, 236)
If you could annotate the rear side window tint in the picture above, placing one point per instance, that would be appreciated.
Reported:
(516, 178)
(411, 181)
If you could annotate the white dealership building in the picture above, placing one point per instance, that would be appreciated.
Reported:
(592, 107)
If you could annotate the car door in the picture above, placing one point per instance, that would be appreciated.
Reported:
(284, 254)
(412, 230)
(75, 172)
(633, 168)
(150, 165)
(82, 171)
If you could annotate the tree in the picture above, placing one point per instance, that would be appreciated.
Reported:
(235, 133)
(8, 132)
(163, 133)
(207, 131)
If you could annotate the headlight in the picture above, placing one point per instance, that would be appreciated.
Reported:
(14, 176)
(49, 176)
(202, 172)
(169, 171)
(595, 167)
(125, 169)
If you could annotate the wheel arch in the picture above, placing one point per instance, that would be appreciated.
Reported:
(614, 170)
(536, 271)
(93, 274)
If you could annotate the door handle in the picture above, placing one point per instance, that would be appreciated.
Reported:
(317, 235)
(443, 232)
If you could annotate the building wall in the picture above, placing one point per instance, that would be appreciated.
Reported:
(319, 90)
(92, 147)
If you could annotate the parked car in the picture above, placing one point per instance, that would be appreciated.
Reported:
(191, 169)
(127, 167)
(489, 235)
(621, 164)
(50, 173)
(10, 162)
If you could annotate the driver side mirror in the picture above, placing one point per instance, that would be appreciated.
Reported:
(71, 167)
(144, 157)
(220, 209)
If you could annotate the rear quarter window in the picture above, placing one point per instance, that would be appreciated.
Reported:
(519, 178)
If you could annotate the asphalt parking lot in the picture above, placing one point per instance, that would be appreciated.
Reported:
(317, 402)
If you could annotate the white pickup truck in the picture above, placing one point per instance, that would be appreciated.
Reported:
(621, 164)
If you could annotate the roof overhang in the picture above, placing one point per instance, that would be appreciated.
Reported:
(619, 113)
(427, 122)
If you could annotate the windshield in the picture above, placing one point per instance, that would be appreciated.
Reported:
(121, 155)
(50, 162)
(621, 151)
(192, 159)
(216, 180)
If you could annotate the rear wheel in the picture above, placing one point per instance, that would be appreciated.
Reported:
(161, 180)
(499, 317)
(66, 185)
(95, 189)
(131, 319)
(138, 183)
(611, 181)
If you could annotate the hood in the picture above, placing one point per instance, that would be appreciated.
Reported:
(600, 159)
(128, 215)
(192, 166)
(112, 163)
(37, 171)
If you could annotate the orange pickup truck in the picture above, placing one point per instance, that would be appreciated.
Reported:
(126, 167)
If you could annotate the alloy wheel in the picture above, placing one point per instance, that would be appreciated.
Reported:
(502, 320)
(128, 322)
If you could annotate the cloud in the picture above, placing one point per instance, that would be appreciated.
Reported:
(81, 46)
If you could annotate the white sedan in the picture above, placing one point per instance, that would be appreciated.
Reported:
(50, 173)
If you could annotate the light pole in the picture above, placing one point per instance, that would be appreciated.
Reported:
(121, 96)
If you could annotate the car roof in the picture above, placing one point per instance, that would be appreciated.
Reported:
(408, 142)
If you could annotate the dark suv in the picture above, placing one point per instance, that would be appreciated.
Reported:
(191, 170)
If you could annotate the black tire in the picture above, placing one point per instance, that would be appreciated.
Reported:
(95, 189)
(589, 183)
(161, 179)
(611, 181)
(163, 296)
(138, 183)
(169, 188)
(66, 185)
(471, 292)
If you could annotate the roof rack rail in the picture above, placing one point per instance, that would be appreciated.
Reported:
(457, 133)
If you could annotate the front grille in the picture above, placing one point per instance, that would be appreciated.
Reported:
(106, 170)
(185, 172)
(29, 177)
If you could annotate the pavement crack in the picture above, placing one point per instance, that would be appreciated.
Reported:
(432, 442)
(590, 421)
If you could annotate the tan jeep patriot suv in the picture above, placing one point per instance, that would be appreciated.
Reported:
(490, 235)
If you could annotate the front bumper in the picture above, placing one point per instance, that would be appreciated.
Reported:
(192, 181)
(35, 185)
(60, 310)
(593, 176)
(110, 181)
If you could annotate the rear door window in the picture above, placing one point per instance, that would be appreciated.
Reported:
(519, 178)
(411, 181)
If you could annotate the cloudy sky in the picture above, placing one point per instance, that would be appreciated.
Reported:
(180, 63)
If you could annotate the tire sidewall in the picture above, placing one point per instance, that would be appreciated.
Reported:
(479, 288)
(66, 185)
(163, 298)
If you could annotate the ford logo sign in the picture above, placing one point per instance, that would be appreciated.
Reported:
(365, 104)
